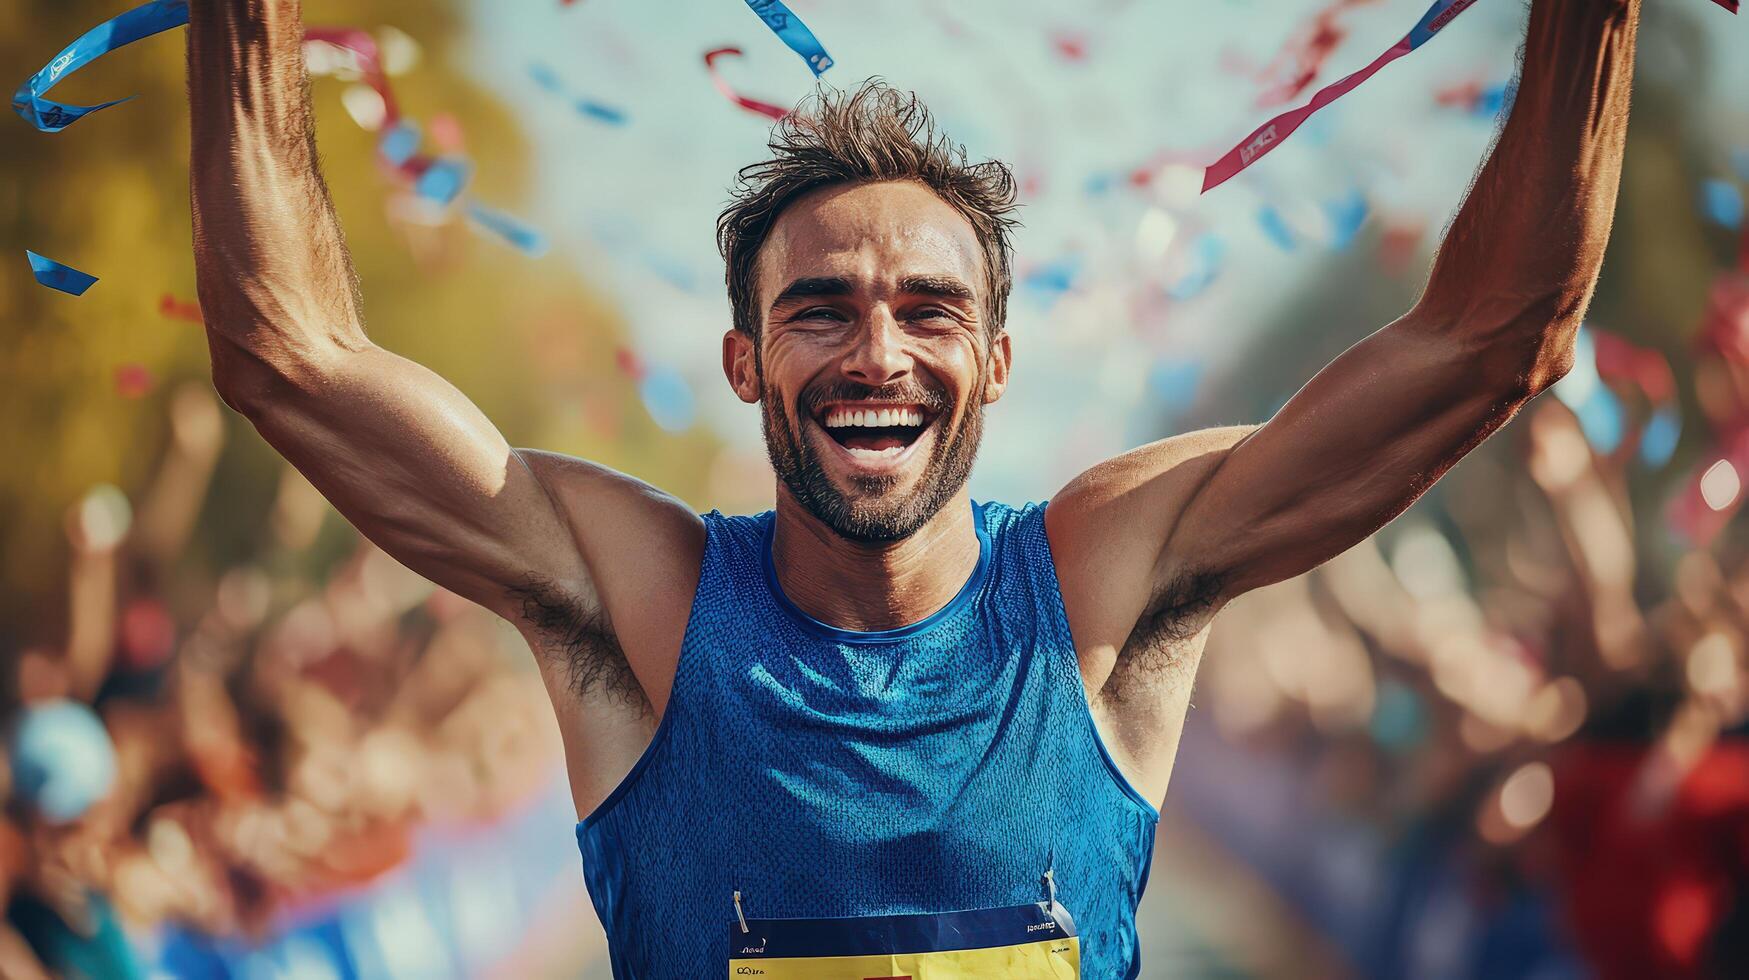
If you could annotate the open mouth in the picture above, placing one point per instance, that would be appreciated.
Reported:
(878, 429)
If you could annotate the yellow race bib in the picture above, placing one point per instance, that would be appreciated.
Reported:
(1022, 942)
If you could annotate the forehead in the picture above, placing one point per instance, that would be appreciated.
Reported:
(872, 233)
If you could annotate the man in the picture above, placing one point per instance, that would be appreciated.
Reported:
(926, 727)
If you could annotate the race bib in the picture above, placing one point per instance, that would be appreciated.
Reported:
(1022, 942)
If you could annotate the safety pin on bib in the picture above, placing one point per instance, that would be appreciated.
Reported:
(738, 914)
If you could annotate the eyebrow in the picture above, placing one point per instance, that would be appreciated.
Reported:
(811, 287)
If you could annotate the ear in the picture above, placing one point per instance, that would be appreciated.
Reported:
(996, 379)
(740, 365)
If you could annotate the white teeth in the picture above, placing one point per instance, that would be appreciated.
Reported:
(873, 418)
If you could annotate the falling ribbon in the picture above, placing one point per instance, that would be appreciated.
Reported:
(790, 29)
(751, 105)
(1268, 136)
(141, 22)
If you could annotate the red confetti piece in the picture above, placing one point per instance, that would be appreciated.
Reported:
(446, 132)
(133, 381)
(1619, 360)
(1297, 65)
(754, 106)
(363, 47)
(630, 364)
(177, 309)
(1070, 46)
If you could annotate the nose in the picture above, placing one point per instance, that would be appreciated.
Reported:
(879, 356)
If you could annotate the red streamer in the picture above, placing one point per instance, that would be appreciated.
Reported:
(754, 106)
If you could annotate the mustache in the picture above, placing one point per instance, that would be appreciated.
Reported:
(907, 392)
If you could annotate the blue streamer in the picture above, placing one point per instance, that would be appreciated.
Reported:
(140, 22)
(57, 276)
(790, 29)
(522, 237)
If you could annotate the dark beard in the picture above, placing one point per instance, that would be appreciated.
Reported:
(872, 520)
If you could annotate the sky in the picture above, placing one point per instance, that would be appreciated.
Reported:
(1097, 367)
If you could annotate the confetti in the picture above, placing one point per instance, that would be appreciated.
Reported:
(521, 237)
(176, 309)
(133, 381)
(441, 180)
(363, 49)
(57, 276)
(1722, 203)
(140, 22)
(1298, 63)
(1269, 135)
(399, 142)
(668, 399)
(549, 80)
(790, 29)
(751, 105)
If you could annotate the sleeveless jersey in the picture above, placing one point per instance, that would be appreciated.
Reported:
(820, 772)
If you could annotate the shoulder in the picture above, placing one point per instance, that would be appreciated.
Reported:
(1108, 527)
(642, 549)
(614, 508)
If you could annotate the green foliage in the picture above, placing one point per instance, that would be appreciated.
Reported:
(110, 196)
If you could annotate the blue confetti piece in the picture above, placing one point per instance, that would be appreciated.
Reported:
(1174, 383)
(442, 180)
(1722, 203)
(1207, 255)
(141, 22)
(399, 142)
(1347, 215)
(1055, 277)
(668, 398)
(1276, 229)
(57, 276)
(1663, 432)
(1490, 102)
(1601, 419)
(1098, 184)
(520, 236)
(790, 29)
(546, 78)
(603, 113)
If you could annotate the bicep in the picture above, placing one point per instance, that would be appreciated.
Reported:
(419, 470)
(1363, 440)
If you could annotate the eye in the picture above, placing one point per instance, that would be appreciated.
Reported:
(931, 313)
(819, 313)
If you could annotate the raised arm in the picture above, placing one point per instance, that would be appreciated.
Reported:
(402, 454)
(1231, 510)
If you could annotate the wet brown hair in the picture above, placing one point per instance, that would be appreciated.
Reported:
(872, 133)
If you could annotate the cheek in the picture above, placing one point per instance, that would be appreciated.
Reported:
(954, 361)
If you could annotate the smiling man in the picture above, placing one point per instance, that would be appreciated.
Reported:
(881, 729)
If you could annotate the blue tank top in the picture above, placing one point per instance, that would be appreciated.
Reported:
(821, 772)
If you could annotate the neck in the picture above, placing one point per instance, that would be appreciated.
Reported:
(866, 587)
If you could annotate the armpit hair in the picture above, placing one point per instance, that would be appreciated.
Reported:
(581, 639)
(1160, 649)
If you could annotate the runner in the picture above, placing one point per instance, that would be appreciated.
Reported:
(881, 730)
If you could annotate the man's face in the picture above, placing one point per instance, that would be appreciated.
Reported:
(874, 363)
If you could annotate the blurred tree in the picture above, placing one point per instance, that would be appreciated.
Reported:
(109, 196)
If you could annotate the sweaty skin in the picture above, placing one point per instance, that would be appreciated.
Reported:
(598, 570)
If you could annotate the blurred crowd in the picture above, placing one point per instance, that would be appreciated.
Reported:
(1509, 736)
(216, 751)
